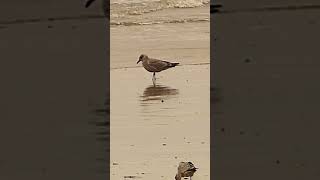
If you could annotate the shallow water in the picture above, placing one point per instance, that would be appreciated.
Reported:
(158, 12)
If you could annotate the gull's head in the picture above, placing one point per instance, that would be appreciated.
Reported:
(142, 57)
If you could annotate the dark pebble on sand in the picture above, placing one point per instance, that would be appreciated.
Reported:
(164, 144)
(115, 163)
(129, 176)
(162, 101)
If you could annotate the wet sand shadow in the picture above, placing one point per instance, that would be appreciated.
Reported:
(158, 92)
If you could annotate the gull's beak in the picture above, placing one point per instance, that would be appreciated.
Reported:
(138, 61)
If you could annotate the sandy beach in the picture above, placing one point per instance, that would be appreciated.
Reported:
(154, 128)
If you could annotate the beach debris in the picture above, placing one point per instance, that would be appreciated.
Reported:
(155, 65)
(131, 177)
(185, 169)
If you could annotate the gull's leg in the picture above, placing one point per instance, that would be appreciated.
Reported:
(154, 76)
(154, 79)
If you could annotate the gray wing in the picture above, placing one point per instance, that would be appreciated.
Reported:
(158, 65)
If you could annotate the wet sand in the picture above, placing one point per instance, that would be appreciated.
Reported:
(189, 47)
(187, 43)
(154, 128)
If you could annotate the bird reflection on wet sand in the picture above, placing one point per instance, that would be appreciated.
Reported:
(156, 103)
(158, 92)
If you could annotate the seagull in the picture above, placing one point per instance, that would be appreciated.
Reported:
(155, 65)
(185, 169)
(105, 6)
